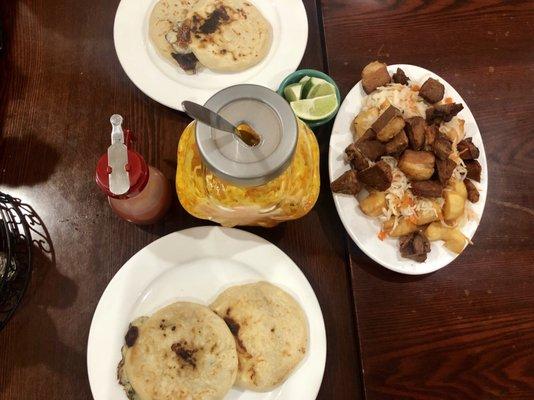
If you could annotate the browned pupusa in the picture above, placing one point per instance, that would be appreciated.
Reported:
(182, 352)
(237, 39)
(270, 330)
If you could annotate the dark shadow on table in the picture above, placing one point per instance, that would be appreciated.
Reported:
(177, 219)
(8, 73)
(273, 235)
(31, 335)
(17, 145)
(76, 28)
(14, 150)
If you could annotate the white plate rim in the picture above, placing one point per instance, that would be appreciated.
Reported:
(407, 266)
(133, 52)
(316, 358)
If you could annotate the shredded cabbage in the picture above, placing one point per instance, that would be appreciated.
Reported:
(400, 201)
(289, 196)
(400, 96)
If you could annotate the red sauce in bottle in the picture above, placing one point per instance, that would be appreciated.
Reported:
(136, 192)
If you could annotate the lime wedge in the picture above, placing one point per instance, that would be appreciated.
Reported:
(307, 82)
(310, 84)
(293, 92)
(316, 108)
(316, 81)
(321, 89)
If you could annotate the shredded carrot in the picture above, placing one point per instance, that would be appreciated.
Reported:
(413, 219)
(415, 88)
(407, 201)
(448, 100)
(382, 235)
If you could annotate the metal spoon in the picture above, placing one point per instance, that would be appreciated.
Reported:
(243, 131)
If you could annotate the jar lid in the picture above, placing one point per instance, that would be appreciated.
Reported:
(268, 114)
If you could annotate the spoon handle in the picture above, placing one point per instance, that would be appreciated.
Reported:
(207, 116)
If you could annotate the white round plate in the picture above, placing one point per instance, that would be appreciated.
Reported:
(168, 84)
(363, 229)
(196, 265)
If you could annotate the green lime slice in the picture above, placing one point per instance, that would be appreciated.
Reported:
(316, 108)
(310, 84)
(293, 92)
(307, 82)
(321, 89)
(316, 81)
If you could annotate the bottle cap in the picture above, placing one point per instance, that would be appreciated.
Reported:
(121, 172)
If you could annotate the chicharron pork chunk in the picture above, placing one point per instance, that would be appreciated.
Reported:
(426, 188)
(467, 150)
(415, 129)
(375, 74)
(414, 246)
(442, 147)
(474, 169)
(372, 149)
(442, 112)
(445, 169)
(400, 77)
(347, 183)
(432, 91)
(398, 144)
(378, 176)
(388, 124)
(356, 158)
(472, 192)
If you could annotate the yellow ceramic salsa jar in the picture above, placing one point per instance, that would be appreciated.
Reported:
(221, 179)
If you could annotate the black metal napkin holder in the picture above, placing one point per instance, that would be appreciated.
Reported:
(15, 254)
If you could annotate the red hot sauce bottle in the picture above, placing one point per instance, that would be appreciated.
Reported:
(137, 192)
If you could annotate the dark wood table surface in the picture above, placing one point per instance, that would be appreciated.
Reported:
(464, 332)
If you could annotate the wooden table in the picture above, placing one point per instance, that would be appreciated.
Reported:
(465, 332)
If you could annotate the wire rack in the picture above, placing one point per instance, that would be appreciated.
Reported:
(15, 255)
